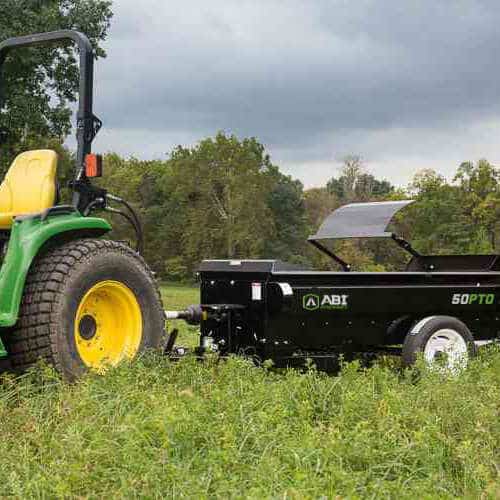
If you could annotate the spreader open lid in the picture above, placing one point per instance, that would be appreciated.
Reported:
(360, 220)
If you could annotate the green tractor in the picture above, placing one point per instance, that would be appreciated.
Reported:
(68, 296)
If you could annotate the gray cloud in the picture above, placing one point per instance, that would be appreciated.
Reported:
(312, 80)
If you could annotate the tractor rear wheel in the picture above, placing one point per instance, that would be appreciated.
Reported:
(87, 304)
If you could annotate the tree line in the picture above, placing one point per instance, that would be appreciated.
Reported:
(225, 198)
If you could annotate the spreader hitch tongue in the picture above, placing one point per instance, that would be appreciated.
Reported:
(192, 314)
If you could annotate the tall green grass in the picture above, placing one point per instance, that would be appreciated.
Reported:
(230, 430)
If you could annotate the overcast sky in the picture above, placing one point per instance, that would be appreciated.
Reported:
(407, 84)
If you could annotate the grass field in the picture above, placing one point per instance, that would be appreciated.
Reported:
(176, 297)
(229, 430)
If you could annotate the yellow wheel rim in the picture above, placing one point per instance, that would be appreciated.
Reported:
(108, 325)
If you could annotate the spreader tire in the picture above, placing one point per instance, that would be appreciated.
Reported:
(438, 336)
(87, 304)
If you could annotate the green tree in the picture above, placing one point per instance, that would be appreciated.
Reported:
(222, 198)
(40, 83)
(458, 218)
(286, 203)
(220, 192)
(437, 223)
(355, 184)
(480, 195)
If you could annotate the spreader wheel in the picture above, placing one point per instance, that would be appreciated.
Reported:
(87, 305)
(444, 342)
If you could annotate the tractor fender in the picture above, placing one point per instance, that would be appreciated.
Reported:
(27, 238)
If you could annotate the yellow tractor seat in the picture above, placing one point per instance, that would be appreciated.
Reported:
(29, 186)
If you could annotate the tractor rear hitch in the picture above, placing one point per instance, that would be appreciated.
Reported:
(192, 314)
(221, 315)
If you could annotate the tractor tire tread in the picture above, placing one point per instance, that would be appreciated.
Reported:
(30, 339)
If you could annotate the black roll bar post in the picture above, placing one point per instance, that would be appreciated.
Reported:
(87, 124)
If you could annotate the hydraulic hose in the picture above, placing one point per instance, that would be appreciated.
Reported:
(136, 222)
(139, 241)
(131, 216)
(97, 203)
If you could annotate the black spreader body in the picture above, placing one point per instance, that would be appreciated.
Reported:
(271, 309)
(274, 310)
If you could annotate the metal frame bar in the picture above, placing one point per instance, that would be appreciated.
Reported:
(345, 266)
(405, 245)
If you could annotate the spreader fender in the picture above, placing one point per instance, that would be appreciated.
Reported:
(27, 237)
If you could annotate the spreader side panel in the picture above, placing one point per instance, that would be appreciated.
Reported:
(330, 314)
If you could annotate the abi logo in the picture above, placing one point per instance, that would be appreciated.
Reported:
(313, 302)
(310, 302)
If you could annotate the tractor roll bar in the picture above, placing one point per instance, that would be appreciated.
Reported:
(87, 124)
